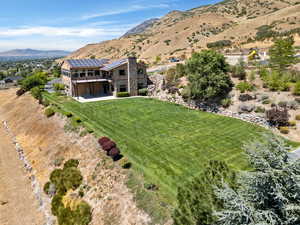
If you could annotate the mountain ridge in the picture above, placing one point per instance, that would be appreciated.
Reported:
(243, 23)
(28, 52)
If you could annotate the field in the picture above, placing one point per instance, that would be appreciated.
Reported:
(166, 142)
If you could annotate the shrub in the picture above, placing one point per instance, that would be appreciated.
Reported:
(277, 116)
(45, 102)
(284, 130)
(143, 92)
(71, 163)
(20, 92)
(292, 123)
(219, 44)
(124, 163)
(36, 92)
(49, 112)
(103, 140)
(59, 87)
(226, 102)
(77, 119)
(239, 71)
(292, 105)
(108, 145)
(266, 102)
(276, 82)
(208, 76)
(72, 178)
(68, 114)
(123, 94)
(34, 80)
(114, 152)
(260, 109)
(244, 86)
(296, 90)
(46, 188)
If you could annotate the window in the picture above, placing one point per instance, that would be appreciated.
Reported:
(97, 73)
(90, 73)
(82, 74)
(122, 72)
(123, 88)
(75, 75)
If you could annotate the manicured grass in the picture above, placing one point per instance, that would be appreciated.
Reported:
(166, 142)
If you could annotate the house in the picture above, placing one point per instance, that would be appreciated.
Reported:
(99, 77)
(12, 79)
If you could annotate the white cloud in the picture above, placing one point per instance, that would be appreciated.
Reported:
(133, 8)
(61, 31)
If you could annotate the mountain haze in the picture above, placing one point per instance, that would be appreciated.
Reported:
(243, 23)
(34, 53)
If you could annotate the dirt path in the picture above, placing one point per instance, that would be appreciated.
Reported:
(17, 203)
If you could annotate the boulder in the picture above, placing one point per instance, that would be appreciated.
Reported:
(246, 108)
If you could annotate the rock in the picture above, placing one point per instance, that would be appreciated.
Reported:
(246, 97)
(246, 108)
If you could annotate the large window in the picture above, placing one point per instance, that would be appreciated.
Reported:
(90, 73)
(82, 74)
(123, 88)
(97, 73)
(122, 72)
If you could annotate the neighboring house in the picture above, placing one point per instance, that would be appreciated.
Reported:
(99, 77)
(12, 79)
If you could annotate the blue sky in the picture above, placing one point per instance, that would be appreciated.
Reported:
(71, 24)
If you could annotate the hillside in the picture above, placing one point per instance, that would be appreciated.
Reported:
(33, 53)
(245, 23)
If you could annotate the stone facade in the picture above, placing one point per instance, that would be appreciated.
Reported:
(103, 80)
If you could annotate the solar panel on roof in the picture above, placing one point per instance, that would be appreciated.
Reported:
(115, 64)
(87, 62)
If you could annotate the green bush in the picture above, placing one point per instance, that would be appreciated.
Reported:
(266, 101)
(59, 87)
(284, 130)
(72, 178)
(68, 114)
(124, 163)
(77, 120)
(292, 123)
(275, 81)
(46, 188)
(38, 79)
(260, 109)
(296, 90)
(71, 163)
(244, 86)
(219, 44)
(143, 92)
(208, 76)
(123, 94)
(49, 112)
(45, 102)
(36, 92)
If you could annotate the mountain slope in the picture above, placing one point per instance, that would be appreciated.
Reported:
(245, 23)
(141, 27)
(33, 53)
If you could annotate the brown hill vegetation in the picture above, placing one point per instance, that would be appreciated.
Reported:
(244, 23)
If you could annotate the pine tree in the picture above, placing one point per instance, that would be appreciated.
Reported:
(270, 195)
(282, 53)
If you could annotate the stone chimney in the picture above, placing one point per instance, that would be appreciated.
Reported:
(132, 76)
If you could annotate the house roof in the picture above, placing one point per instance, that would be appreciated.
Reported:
(13, 78)
(86, 63)
(114, 64)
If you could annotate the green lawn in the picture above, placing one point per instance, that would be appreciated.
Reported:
(167, 143)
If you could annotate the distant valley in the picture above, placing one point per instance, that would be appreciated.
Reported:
(23, 54)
